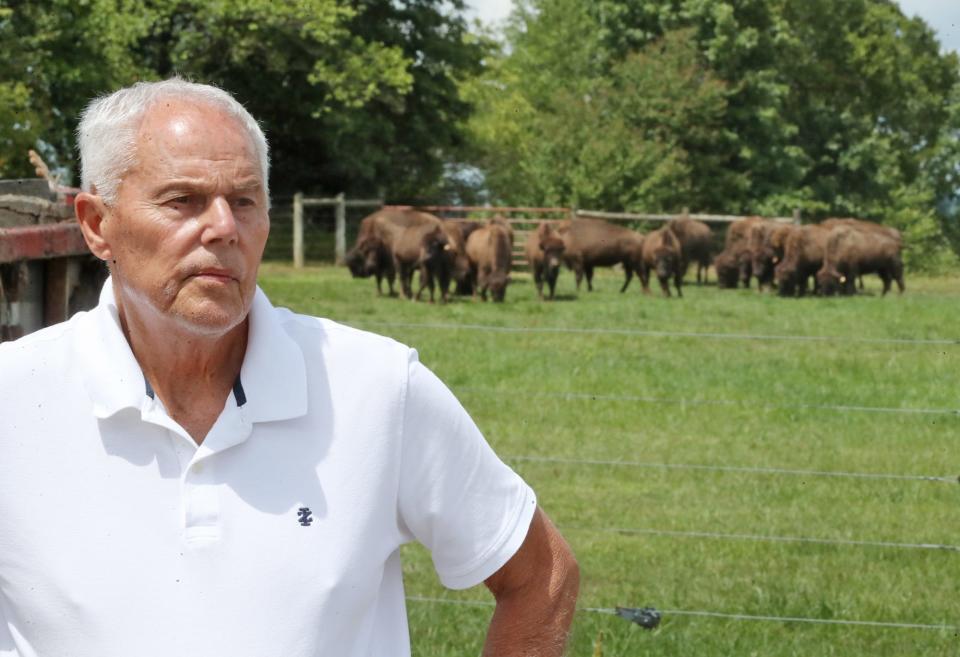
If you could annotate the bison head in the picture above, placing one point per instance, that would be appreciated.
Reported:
(433, 248)
(762, 264)
(830, 282)
(667, 263)
(362, 260)
(552, 248)
(728, 271)
(786, 277)
(498, 285)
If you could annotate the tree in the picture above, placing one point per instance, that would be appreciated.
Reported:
(354, 95)
(760, 106)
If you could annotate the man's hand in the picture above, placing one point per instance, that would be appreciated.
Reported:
(536, 593)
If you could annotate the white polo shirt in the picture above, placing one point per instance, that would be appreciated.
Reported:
(278, 536)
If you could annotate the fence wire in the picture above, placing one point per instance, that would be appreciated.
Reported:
(940, 342)
(762, 538)
(733, 468)
(717, 614)
(586, 396)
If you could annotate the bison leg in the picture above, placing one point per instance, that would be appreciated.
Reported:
(678, 281)
(588, 270)
(664, 285)
(629, 272)
(644, 274)
(898, 275)
(538, 279)
(552, 282)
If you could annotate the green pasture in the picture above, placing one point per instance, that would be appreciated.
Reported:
(545, 397)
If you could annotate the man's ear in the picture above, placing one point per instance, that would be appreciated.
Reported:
(91, 212)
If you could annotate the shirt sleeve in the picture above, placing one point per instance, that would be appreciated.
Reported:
(456, 497)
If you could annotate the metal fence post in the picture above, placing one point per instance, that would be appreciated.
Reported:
(298, 230)
(340, 242)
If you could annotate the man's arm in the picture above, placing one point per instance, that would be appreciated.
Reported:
(536, 594)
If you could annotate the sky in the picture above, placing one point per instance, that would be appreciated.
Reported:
(942, 15)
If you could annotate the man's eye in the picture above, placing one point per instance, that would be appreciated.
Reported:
(244, 202)
(186, 199)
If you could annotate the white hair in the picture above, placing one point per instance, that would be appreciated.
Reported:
(108, 130)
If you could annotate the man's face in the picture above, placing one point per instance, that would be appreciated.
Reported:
(188, 229)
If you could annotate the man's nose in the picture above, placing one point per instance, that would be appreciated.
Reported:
(219, 222)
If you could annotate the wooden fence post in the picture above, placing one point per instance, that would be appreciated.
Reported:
(298, 230)
(340, 242)
(796, 216)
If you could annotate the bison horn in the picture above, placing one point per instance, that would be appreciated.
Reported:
(843, 279)
(447, 247)
(776, 259)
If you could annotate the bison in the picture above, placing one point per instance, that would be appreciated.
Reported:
(590, 243)
(802, 257)
(490, 252)
(696, 242)
(663, 254)
(736, 253)
(767, 243)
(852, 251)
(374, 253)
(544, 251)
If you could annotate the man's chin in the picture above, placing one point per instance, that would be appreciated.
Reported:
(211, 320)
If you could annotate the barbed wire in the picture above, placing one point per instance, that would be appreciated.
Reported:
(585, 396)
(762, 538)
(659, 334)
(716, 614)
(733, 468)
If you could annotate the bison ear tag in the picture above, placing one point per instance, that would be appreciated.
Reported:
(843, 279)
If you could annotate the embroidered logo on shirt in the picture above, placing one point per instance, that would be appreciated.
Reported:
(305, 513)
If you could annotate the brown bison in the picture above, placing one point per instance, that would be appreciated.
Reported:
(663, 254)
(767, 241)
(736, 253)
(696, 242)
(727, 266)
(389, 244)
(490, 252)
(544, 249)
(802, 257)
(590, 243)
(852, 251)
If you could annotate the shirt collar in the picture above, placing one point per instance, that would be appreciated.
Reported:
(273, 375)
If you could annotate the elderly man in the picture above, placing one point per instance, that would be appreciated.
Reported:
(187, 470)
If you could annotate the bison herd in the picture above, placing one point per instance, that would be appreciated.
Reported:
(476, 257)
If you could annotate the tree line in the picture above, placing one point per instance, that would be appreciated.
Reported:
(735, 106)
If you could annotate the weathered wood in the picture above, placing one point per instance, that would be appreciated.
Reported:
(340, 236)
(298, 230)
(41, 242)
(634, 216)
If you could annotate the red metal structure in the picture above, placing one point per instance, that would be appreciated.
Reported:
(46, 271)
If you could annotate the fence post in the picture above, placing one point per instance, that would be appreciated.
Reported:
(340, 242)
(298, 230)
(796, 216)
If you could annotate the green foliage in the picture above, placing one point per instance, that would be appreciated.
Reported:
(741, 106)
(355, 95)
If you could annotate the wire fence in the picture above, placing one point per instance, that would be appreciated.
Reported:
(938, 342)
(751, 403)
(634, 614)
(613, 611)
(734, 469)
(763, 538)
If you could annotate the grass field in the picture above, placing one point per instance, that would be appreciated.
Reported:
(719, 400)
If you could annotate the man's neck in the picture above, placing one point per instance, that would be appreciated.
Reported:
(192, 373)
